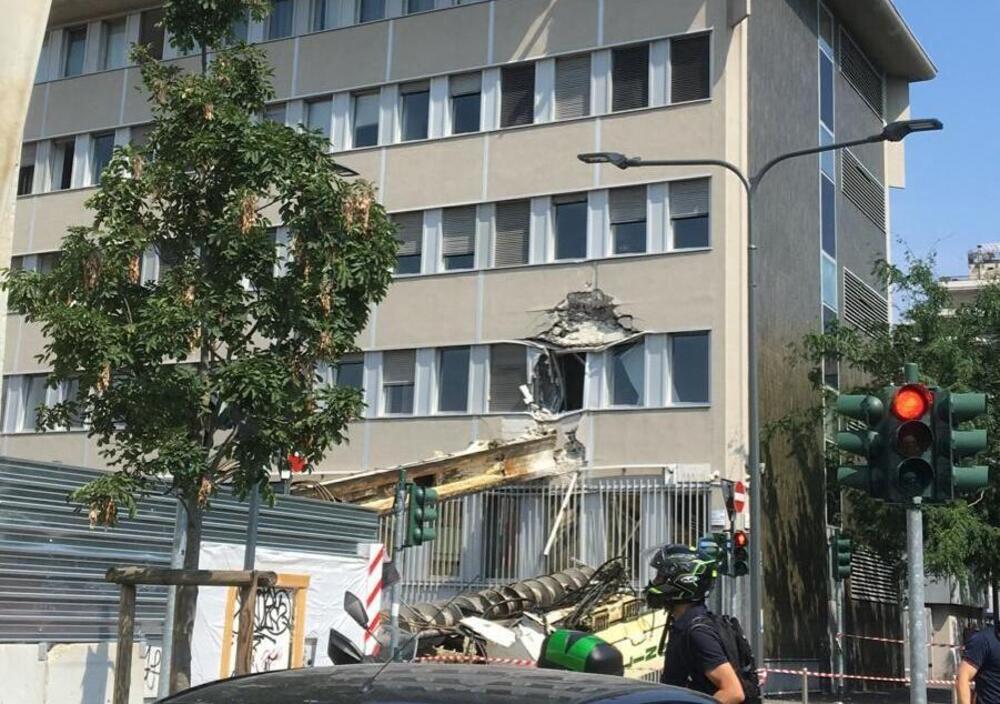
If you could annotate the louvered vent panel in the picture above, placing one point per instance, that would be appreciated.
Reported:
(518, 95)
(862, 190)
(630, 77)
(689, 198)
(508, 372)
(871, 579)
(628, 204)
(459, 231)
(398, 366)
(864, 308)
(860, 74)
(689, 65)
(513, 220)
(572, 87)
(409, 232)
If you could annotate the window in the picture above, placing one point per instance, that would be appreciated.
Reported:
(42, 263)
(112, 44)
(825, 30)
(35, 392)
(366, 119)
(73, 52)
(323, 14)
(397, 381)
(151, 32)
(689, 61)
(511, 228)
(418, 6)
(319, 114)
(689, 367)
(240, 29)
(827, 160)
(415, 100)
(276, 113)
(101, 148)
(508, 373)
(572, 87)
(26, 171)
(828, 216)
(628, 373)
(139, 134)
(689, 213)
(630, 77)
(453, 379)
(571, 226)
(281, 238)
(466, 92)
(517, 88)
(350, 371)
(279, 22)
(628, 219)
(826, 90)
(410, 235)
(459, 238)
(62, 164)
(370, 10)
(828, 276)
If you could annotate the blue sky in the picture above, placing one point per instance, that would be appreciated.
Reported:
(952, 198)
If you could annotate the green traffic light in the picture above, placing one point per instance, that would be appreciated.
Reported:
(965, 443)
(841, 548)
(855, 476)
(859, 442)
(970, 478)
(967, 406)
(421, 515)
(862, 407)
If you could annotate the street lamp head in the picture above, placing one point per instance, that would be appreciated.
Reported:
(897, 131)
(614, 158)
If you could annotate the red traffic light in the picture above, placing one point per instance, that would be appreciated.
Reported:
(740, 539)
(296, 462)
(911, 402)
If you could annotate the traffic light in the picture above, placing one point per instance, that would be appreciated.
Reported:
(840, 553)
(421, 515)
(868, 443)
(740, 565)
(717, 546)
(911, 457)
(955, 445)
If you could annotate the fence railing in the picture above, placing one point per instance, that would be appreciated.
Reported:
(501, 535)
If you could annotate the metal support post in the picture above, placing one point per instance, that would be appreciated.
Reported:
(918, 626)
(253, 522)
(176, 562)
(399, 536)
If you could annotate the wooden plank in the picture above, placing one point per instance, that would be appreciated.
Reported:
(452, 490)
(244, 637)
(138, 574)
(126, 632)
(225, 669)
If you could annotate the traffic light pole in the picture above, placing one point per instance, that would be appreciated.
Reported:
(398, 538)
(918, 625)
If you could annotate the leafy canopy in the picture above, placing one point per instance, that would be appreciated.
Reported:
(210, 371)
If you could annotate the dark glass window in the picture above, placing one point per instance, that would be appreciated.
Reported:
(418, 6)
(689, 360)
(517, 89)
(691, 232)
(76, 46)
(102, 146)
(689, 69)
(571, 227)
(628, 374)
(279, 22)
(630, 77)
(466, 92)
(351, 371)
(64, 153)
(416, 104)
(25, 179)
(366, 108)
(828, 196)
(826, 90)
(371, 10)
(453, 379)
(151, 32)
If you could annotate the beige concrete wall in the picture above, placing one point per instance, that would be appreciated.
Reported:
(66, 673)
(428, 312)
(654, 436)
(345, 58)
(655, 18)
(85, 103)
(50, 216)
(419, 47)
(454, 166)
(527, 29)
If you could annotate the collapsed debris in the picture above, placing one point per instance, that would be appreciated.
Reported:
(586, 320)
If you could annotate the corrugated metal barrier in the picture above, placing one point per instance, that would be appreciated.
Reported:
(499, 536)
(52, 563)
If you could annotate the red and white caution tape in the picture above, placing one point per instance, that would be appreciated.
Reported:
(830, 675)
(521, 662)
(894, 640)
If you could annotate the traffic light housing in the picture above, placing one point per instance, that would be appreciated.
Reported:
(840, 555)
(958, 448)
(740, 563)
(867, 443)
(421, 515)
(911, 457)
(717, 546)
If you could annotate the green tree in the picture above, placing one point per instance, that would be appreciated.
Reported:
(955, 348)
(209, 374)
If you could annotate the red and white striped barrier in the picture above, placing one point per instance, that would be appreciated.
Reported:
(520, 662)
(373, 594)
(894, 640)
(830, 675)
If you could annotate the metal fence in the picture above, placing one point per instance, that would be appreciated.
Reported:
(52, 563)
(512, 533)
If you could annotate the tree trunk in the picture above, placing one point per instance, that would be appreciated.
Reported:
(186, 603)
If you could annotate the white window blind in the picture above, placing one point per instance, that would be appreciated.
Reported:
(689, 63)
(517, 95)
(513, 223)
(398, 371)
(409, 234)
(459, 237)
(689, 198)
(627, 210)
(572, 87)
(630, 77)
(508, 372)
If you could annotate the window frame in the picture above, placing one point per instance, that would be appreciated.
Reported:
(613, 354)
(105, 53)
(439, 366)
(68, 43)
(387, 385)
(359, 12)
(452, 95)
(613, 249)
(671, 396)
(644, 77)
(578, 198)
(95, 172)
(375, 95)
(407, 91)
(673, 219)
(270, 29)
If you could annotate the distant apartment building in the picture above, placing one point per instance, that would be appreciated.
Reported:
(532, 289)
(984, 268)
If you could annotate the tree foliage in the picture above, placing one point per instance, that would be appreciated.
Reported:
(208, 373)
(955, 348)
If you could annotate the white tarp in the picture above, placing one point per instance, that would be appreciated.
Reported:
(329, 577)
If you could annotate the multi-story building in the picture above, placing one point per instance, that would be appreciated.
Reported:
(984, 269)
(617, 299)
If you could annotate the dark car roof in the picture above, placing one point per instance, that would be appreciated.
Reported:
(432, 684)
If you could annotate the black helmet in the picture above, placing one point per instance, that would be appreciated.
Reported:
(683, 574)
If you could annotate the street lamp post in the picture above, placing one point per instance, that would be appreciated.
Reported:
(893, 132)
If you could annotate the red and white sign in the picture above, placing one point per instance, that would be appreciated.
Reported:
(373, 595)
(739, 497)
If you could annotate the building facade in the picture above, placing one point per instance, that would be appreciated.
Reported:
(531, 289)
(984, 269)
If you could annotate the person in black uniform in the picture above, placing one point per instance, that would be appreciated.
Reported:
(695, 655)
(980, 664)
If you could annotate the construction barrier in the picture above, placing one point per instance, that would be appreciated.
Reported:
(520, 662)
(831, 675)
(894, 640)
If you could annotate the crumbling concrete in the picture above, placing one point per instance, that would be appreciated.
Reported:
(586, 320)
